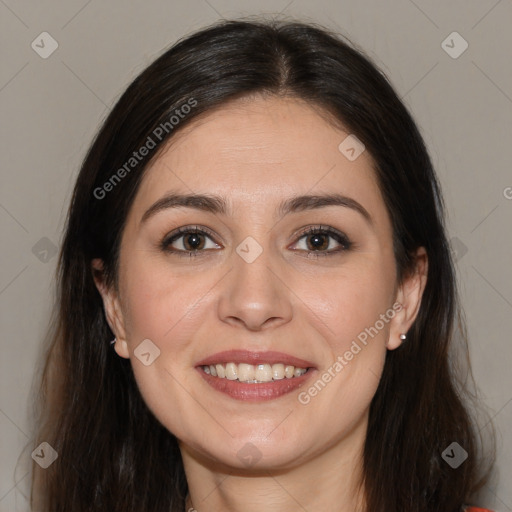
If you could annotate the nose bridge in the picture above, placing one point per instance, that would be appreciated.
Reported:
(252, 264)
(254, 294)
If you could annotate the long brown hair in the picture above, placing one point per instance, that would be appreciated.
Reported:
(113, 454)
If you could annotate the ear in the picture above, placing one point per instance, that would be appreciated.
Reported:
(409, 297)
(113, 311)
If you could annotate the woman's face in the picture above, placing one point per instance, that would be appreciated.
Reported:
(251, 286)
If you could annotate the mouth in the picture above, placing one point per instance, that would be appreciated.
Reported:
(251, 374)
(254, 376)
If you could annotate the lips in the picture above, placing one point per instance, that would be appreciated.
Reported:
(255, 391)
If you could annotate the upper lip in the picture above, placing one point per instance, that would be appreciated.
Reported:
(250, 357)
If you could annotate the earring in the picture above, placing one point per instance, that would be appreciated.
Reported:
(403, 336)
(113, 341)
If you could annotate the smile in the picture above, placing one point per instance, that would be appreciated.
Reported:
(253, 374)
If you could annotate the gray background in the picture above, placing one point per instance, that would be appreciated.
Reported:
(52, 107)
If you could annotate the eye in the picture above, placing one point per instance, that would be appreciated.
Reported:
(318, 240)
(188, 241)
(193, 240)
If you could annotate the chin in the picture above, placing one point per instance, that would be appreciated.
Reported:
(256, 453)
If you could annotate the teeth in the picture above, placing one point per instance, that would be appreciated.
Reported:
(245, 372)
(219, 369)
(231, 371)
(298, 372)
(278, 371)
(263, 373)
(254, 373)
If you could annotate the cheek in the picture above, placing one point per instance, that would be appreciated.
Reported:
(354, 311)
(347, 304)
(159, 303)
(357, 315)
(163, 308)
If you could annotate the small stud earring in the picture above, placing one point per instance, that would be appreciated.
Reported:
(113, 341)
(403, 336)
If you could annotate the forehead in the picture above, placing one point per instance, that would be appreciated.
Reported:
(257, 152)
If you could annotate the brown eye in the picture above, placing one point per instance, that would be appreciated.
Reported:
(193, 241)
(319, 241)
(188, 241)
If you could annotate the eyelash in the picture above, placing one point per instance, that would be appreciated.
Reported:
(340, 237)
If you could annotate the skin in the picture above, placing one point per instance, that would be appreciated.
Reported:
(257, 152)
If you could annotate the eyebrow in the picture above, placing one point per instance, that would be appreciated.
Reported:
(219, 205)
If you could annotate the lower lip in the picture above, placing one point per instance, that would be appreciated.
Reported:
(255, 392)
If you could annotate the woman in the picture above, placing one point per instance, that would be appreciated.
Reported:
(259, 228)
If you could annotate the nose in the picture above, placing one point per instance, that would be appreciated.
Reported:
(255, 296)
